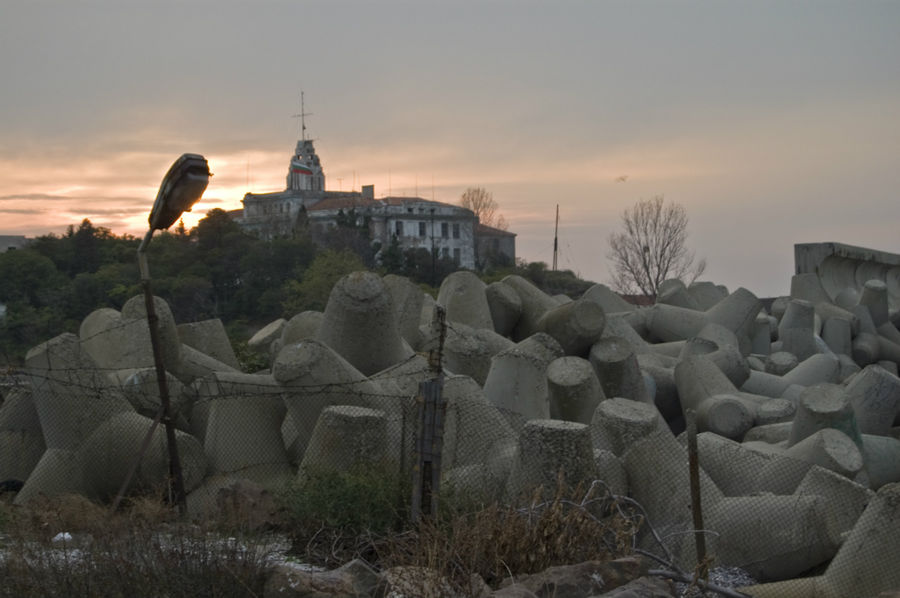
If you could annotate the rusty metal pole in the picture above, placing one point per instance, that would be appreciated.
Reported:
(696, 506)
(175, 474)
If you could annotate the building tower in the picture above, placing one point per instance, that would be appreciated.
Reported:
(305, 172)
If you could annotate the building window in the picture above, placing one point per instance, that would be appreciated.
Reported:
(456, 230)
(445, 230)
(398, 228)
(496, 244)
(456, 255)
(445, 252)
(421, 229)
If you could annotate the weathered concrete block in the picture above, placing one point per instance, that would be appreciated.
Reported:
(304, 325)
(771, 537)
(469, 351)
(209, 337)
(505, 305)
(267, 335)
(463, 295)
(824, 406)
(617, 423)
(550, 450)
(845, 499)
(243, 427)
(346, 437)
(535, 303)
(617, 369)
(874, 394)
(517, 380)
(56, 474)
(360, 323)
(70, 395)
(108, 454)
(574, 389)
(610, 301)
(21, 439)
(408, 300)
(576, 325)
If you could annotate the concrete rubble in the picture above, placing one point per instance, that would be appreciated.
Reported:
(797, 403)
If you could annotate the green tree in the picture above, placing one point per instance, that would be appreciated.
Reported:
(311, 293)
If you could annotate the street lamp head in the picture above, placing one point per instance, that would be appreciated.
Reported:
(180, 189)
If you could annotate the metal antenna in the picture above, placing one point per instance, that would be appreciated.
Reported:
(556, 239)
(302, 116)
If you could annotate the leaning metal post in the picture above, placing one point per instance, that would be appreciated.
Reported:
(175, 473)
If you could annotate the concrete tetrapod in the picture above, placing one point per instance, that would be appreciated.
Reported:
(346, 437)
(469, 351)
(575, 325)
(407, 299)
(574, 389)
(135, 310)
(517, 380)
(109, 453)
(463, 295)
(780, 363)
(874, 395)
(674, 292)
(535, 303)
(796, 330)
(209, 337)
(706, 293)
(874, 298)
(243, 430)
(472, 428)
(865, 564)
(703, 387)
(846, 500)
(70, 395)
(551, 451)
(21, 440)
(617, 369)
(771, 537)
(57, 473)
(606, 298)
(505, 305)
(619, 422)
(657, 467)
(824, 406)
(268, 334)
(301, 327)
(315, 377)
(786, 468)
(360, 323)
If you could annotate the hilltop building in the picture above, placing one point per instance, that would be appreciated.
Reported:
(454, 232)
(8, 242)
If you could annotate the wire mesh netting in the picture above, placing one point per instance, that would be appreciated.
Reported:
(795, 489)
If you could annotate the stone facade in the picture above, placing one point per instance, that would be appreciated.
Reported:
(454, 232)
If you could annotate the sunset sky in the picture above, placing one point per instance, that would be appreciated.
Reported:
(772, 123)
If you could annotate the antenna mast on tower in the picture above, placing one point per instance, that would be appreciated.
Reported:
(302, 116)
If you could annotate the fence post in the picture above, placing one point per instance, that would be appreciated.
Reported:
(431, 409)
(696, 506)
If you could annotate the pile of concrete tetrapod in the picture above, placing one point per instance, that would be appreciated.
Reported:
(796, 403)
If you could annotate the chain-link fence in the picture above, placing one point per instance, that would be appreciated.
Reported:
(794, 492)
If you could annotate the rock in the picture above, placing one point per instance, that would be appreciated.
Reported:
(353, 580)
(643, 587)
(590, 578)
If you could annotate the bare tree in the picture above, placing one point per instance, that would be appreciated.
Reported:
(652, 248)
(481, 201)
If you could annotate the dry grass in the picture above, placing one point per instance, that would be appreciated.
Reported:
(141, 552)
(500, 541)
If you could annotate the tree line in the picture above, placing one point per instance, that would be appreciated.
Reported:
(214, 270)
